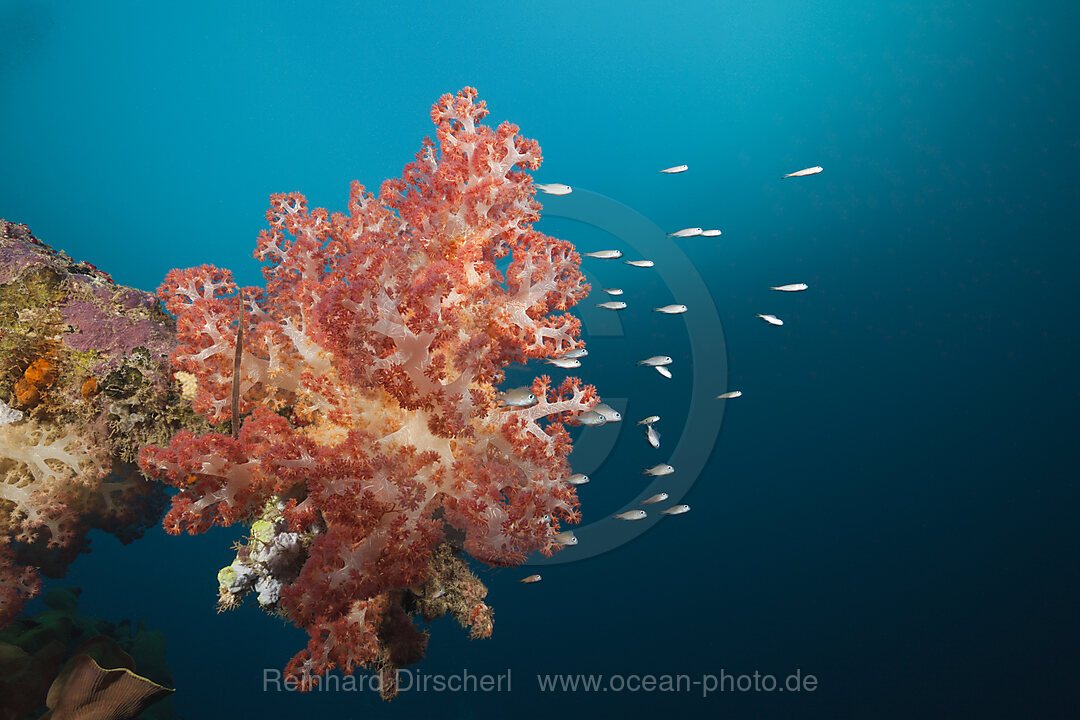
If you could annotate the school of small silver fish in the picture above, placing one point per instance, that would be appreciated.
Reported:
(602, 413)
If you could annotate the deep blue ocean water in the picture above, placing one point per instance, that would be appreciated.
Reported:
(891, 507)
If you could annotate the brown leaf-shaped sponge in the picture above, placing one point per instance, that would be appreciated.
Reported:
(86, 691)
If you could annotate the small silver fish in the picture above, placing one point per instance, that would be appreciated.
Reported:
(658, 470)
(686, 232)
(575, 354)
(710, 233)
(771, 319)
(631, 515)
(649, 420)
(803, 173)
(676, 169)
(729, 395)
(612, 305)
(640, 263)
(612, 291)
(518, 397)
(566, 537)
(676, 510)
(671, 309)
(658, 497)
(605, 254)
(794, 287)
(530, 579)
(554, 188)
(564, 363)
(609, 413)
(576, 479)
(655, 361)
(591, 418)
(663, 371)
(652, 436)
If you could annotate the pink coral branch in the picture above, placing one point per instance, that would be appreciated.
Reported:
(370, 366)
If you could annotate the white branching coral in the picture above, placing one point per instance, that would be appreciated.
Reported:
(44, 472)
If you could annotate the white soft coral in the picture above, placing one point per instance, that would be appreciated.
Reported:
(46, 474)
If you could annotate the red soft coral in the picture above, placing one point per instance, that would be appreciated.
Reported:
(369, 369)
(18, 584)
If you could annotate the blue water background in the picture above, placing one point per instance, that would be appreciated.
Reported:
(892, 505)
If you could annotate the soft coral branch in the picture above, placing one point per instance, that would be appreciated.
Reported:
(369, 374)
